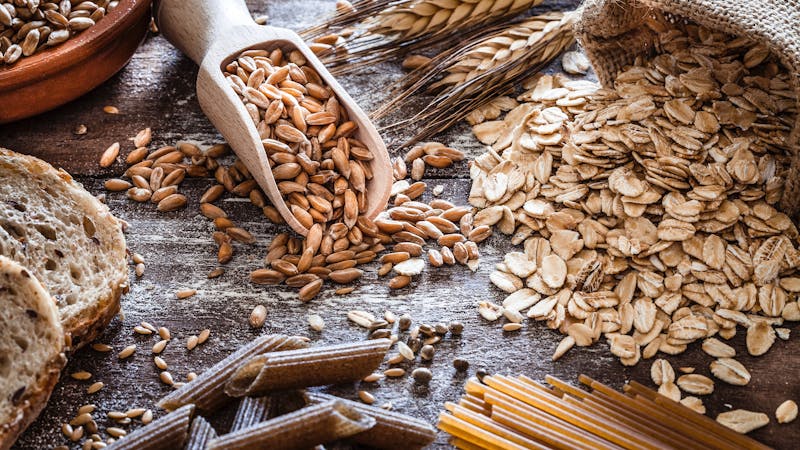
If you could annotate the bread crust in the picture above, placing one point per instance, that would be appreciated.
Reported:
(32, 403)
(35, 397)
(85, 327)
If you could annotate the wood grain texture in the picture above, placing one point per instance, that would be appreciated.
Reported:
(157, 90)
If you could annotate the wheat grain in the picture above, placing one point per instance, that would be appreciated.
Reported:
(411, 19)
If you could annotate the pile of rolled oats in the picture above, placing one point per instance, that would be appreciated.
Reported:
(648, 212)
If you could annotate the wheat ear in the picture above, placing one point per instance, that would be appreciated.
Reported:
(483, 70)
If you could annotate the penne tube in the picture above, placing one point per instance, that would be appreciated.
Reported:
(316, 366)
(200, 433)
(207, 391)
(167, 433)
(303, 429)
(252, 410)
(391, 431)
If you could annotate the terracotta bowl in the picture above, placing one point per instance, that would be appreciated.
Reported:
(60, 74)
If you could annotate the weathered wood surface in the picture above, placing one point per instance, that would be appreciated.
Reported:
(157, 90)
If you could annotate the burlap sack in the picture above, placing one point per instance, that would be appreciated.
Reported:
(613, 34)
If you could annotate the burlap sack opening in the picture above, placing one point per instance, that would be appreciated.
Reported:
(613, 34)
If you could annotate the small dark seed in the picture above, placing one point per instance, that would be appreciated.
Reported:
(461, 364)
(422, 375)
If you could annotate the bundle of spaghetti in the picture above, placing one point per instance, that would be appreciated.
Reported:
(502, 412)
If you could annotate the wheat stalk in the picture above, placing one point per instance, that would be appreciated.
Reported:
(384, 28)
(483, 70)
(411, 19)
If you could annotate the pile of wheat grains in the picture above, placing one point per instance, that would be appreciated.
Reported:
(29, 26)
(648, 212)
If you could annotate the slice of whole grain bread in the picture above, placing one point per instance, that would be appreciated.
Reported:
(31, 344)
(67, 238)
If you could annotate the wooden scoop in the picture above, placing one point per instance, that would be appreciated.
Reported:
(213, 33)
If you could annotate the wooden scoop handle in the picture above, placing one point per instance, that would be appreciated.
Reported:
(194, 25)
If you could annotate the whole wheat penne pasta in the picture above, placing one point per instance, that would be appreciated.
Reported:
(199, 434)
(207, 391)
(252, 410)
(391, 431)
(302, 429)
(167, 433)
(316, 366)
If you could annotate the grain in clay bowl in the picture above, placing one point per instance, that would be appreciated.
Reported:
(54, 76)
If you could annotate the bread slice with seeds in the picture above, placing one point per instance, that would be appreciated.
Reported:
(67, 238)
(31, 344)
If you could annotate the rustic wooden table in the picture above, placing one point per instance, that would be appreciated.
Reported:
(157, 90)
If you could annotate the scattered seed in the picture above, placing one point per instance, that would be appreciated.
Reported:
(215, 273)
(426, 352)
(203, 336)
(86, 409)
(258, 316)
(361, 318)
(159, 346)
(366, 397)
(110, 109)
(405, 351)
(138, 329)
(460, 364)
(191, 342)
(99, 347)
(371, 378)
(315, 322)
(94, 387)
(81, 376)
(109, 155)
(127, 351)
(422, 375)
(185, 293)
(394, 372)
(166, 378)
(116, 432)
(160, 363)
